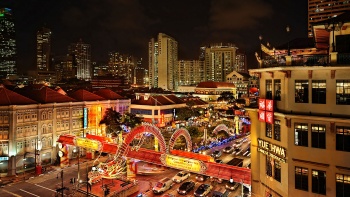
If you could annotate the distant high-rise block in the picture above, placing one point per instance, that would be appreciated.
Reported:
(322, 10)
(121, 65)
(8, 50)
(219, 61)
(191, 72)
(163, 62)
(43, 49)
(81, 53)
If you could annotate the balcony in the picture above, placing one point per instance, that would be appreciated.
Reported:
(334, 59)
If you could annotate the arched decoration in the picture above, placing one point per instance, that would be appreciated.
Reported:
(177, 134)
(221, 127)
(144, 128)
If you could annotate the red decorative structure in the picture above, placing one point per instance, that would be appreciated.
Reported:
(266, 108)
(177, 134)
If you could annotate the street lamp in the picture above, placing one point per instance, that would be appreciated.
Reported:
(75, 150)
(260, 38)
(24, 175)
(38, 147)
(288, 30)
(333, 26)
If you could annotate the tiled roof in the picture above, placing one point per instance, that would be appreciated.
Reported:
(196, 100)
(213, 84)
(175, 99)
(159, 100)
(9, 97)
(108, 94)
(43, 94)
(84, 95)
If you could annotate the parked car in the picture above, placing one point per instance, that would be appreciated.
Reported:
(203, 190)
(162, 185)
(186, 187)
(228, 149)
(231, 185)
(215, 179)
(216, 154)
(181, 176)
(201, 178)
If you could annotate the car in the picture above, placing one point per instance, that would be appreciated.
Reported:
(141, 195)
(203, 190)
(201, 178)
(186, 187)
(168, 195)
(162, 185)
(228, 149)
(218, 161)
(181, 176)
(216, 154)
(231, 185)
(218, 180)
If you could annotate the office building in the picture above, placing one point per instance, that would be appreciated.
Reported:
(43, 49)
(121, 65)
(8, 49)
(322, 10)
(163, 62)
(241, 62)
(220, 60)
(81, 53)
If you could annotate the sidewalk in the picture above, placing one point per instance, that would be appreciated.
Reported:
(5, 180)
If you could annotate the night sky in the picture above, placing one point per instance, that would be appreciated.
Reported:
(126, 26)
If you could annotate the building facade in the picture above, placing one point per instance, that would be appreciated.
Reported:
(121, 65)
(81, 53)
(191, 72)
(220, 60)
(41, 119)
(241, 82)
(163, 62)
(322, 10)
(43, 49)
(8, 47)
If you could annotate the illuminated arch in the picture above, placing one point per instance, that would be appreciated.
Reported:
(177, 134)
(144, 128)
(221, 127)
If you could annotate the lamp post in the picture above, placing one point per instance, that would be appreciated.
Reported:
(77, 149)
(23, 167)
(288, 30)
(38, 147)
(62, 187)
(260, 38)
(331, 27)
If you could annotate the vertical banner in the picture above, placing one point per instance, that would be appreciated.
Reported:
(261, 114)
(156, 144)
(131, 169)
(63, 153)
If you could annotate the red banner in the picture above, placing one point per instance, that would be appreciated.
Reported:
(262, 104)
(269, 105)
(269, 117)
(261, 114)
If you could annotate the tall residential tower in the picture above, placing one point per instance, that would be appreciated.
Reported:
(7, 43)
(163, 62)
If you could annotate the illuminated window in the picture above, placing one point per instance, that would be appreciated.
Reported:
(269, 89)
(277, 130)
(301, 91)
(343, 138)
(277, 86)
(318, 136)
(301, 134)
(343, 92)
(268, 130)
(319, 91)
(342, 185)
(319, 182)
(301, 178)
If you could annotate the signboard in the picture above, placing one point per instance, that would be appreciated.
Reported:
(276, 152)
(4, 158)
(85, 120)
(266, 111)
(183, 163)
(87, 143)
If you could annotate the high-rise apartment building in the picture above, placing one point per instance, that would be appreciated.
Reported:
(121, 65)
(322, 10)
(163, 62)
(241, 63)
(219, 61)
(8, 50)
(191, 72)
(43, 49)
(81, 59)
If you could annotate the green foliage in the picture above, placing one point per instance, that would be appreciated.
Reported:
(194, 132)
(131, 120)
(112, 119)
(184, 113)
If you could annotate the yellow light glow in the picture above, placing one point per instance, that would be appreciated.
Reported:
(183, 163)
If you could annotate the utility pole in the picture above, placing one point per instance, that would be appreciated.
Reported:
(62, 183)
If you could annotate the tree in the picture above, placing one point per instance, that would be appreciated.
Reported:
(184, 113)
(131, 120)
(193, 131)
(112, 119)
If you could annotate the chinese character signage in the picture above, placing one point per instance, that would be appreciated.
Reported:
(266, 111)
(85, 118)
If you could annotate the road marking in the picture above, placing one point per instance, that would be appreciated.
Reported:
(11, 193)
(45, 187)
(29, 192)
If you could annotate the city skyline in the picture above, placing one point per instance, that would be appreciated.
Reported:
(127, 26)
